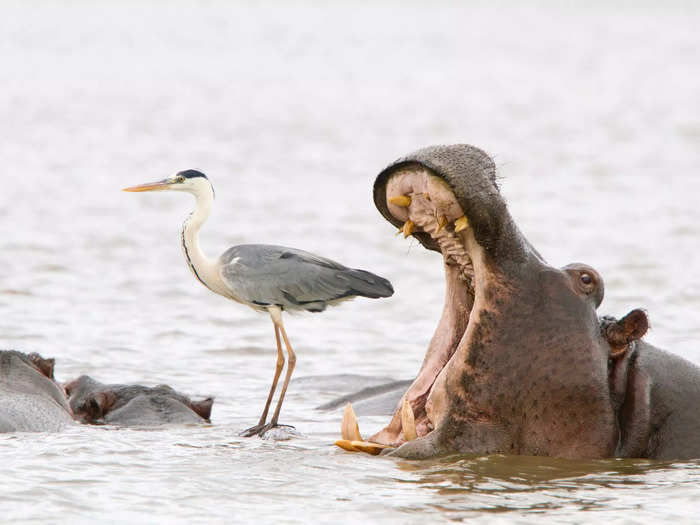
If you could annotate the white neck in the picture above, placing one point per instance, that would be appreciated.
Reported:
(203, 268)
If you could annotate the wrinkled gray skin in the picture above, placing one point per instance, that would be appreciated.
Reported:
(30, 399)
(656, 395)
(661, 415)
(133, 405)
(520, 362)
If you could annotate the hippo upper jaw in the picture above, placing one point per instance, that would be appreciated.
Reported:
(469, 176)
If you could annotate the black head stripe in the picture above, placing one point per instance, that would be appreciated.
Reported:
(191, 174)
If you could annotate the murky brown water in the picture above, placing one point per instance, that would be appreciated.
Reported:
(592, 114)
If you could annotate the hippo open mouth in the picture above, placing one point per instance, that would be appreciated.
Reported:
(424, 204)
(516, 337)
(449, 200)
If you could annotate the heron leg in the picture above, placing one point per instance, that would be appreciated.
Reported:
(278, 371)
(291, 362)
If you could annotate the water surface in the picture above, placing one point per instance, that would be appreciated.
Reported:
(591, 113)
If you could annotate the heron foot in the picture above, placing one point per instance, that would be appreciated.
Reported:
(277, 432)
(271, 431)
(252, 431)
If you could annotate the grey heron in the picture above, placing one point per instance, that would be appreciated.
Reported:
(266, 278)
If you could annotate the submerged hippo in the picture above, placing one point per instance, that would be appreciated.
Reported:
(30, 399)
(133, 405)
(520, 363)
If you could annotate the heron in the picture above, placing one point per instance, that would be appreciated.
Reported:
(267, 278)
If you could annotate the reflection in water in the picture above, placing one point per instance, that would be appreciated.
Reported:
(504, 483)
(530, 470)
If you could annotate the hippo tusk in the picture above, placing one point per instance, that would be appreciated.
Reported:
(408, 421)
(408, 228)
(461, 224)
(352, 440)
(401, 200)
(349, 428)
(373, 449)
(369, 448)
(346, 444)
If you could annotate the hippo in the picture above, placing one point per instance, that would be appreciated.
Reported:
(520, 362)
(133, 405)
(30, 398)
(656, 394)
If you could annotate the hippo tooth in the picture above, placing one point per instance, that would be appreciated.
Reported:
(441, 224)
(349, 428)
(361, 446)
(408, 227)
(461, 224)
(345, 444)
(401, 200)
(369, 447)
(408, 421)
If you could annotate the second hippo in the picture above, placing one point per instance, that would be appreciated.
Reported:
(133, 405)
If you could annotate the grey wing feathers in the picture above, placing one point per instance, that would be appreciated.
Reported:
(294, 279)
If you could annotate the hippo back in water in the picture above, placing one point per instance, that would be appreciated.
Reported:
(30, 399)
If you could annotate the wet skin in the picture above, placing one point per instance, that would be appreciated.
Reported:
(30, 399)
(656, 394)
(133, 405)
(520, 362)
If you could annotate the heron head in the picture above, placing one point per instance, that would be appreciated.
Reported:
(191, 181)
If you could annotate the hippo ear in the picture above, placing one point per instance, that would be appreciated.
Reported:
(620, 333)
(45, 366)
(203, 408)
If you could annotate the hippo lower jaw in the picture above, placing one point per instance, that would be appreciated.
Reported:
(426, 205)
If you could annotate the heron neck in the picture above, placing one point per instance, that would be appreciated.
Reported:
(203, 268)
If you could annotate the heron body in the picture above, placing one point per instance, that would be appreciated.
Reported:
(266, 277)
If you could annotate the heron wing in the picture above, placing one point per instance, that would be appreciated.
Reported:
(294, 279)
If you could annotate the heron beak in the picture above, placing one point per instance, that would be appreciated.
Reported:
(151, 186)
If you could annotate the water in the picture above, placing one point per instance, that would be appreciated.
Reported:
(591, 112)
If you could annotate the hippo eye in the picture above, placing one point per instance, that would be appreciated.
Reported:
(586, 279)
